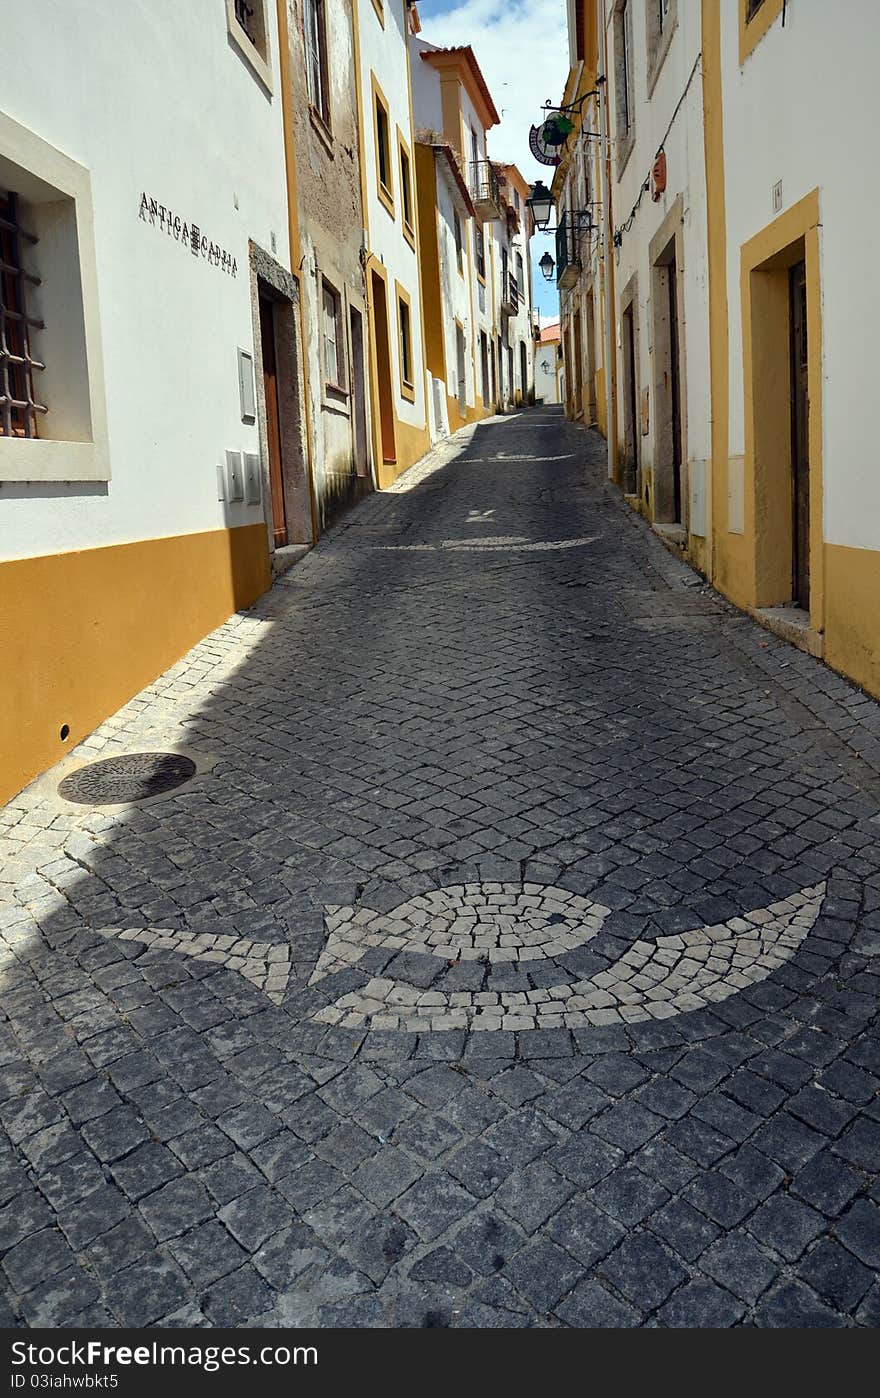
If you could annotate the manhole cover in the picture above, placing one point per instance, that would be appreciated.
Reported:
(134, 777)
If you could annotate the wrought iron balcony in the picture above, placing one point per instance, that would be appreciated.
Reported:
(485, 191)
(572, 236)
(510, 294)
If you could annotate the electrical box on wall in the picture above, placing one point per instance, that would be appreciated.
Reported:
(246, 386)
(234, 476)
(252, 491)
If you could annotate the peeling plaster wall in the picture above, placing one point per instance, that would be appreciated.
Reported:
(331, 233)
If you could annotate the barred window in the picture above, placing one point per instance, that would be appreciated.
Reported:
(19, 407)
(316, 58)
(244, 13)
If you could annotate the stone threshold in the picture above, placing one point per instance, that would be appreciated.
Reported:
(284, 559)
(674, 537)
(793, 625)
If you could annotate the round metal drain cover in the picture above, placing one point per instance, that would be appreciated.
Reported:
(133, 777)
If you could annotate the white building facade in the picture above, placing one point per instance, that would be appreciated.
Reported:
(134, 482)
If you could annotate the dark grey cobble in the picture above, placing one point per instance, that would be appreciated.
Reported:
(495, 676)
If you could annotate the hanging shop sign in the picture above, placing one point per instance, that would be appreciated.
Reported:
(543, 151)
(658, 177)
(187, 233)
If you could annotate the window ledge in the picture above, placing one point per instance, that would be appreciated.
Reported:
(323, 130)
(386, 199)
(248, 51)
(408, 391)
(752, 31)
(33, 459)
(625, 148)
(409, 233)
(335, 400)
(655, 60)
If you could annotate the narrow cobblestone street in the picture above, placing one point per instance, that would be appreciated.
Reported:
(510, 960)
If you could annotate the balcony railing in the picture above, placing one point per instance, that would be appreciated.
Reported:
(485, 191)
(510, 294)
(572, 239)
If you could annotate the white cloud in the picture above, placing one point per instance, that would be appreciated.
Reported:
(522, 49)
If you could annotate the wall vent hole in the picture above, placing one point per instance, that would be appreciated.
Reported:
(65, 732)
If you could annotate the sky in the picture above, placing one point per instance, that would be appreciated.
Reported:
(522, 49)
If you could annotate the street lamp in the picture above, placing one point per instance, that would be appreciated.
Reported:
(540, 201)
(546, 265)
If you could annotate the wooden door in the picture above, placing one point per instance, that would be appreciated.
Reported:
(460, 369)
(631, 410)
(358, 391)
(273, 421)
(383, 370)
(675, 387)
(800, 449)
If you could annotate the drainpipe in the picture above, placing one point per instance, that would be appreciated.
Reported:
(602, 100)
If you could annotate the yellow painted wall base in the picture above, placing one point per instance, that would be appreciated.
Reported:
(412, 444)
(80, 633)
(472, 413)
(852, 613)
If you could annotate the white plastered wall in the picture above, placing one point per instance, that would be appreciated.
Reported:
(686, 177)
(170, 109)
(799, 111)
(383, 54)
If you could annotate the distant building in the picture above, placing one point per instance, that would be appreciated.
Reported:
(329, 218)
(474, 233)
(391, 251)
(720, 276)
(143, 217)
(548, 365)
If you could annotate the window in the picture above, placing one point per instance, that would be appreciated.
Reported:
(520, 281)
(19, 407)
(382, 129)
(334, 356)
(316, 58)
(406, 198)
(248, 29)
(52, 421)
(484, 365)
(626, 70)
(756, 18)
(405, 344)
(661, 18)
(475, 161)
(459, 246)
(623, 81)
(480, 249)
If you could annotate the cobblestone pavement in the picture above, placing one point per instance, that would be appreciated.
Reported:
(511, 960)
